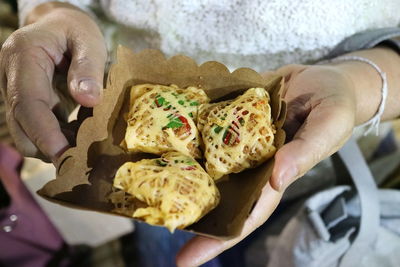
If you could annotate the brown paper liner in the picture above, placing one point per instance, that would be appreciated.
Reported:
(85, 172)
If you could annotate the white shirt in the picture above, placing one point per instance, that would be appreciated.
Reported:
(259, 34)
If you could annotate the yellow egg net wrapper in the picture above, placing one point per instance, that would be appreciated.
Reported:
(175, 188)
(237, 134)
(163, 118)
(123, 202)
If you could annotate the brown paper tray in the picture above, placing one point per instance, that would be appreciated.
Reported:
(85, 172)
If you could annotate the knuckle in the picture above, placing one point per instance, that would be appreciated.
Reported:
(40, 58)
(341, 114)
(316, 153)
(20, 47)
(17, 107)
(83, 60)
(15, 41)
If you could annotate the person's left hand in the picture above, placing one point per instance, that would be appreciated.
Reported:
(321, 116)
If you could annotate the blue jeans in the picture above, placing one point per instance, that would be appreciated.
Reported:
(157, 247)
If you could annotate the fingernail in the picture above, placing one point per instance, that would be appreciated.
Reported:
(89, 87)
(286, 178)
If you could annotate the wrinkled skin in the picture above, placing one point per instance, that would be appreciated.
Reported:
(28, 61)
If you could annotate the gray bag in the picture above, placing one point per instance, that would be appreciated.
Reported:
(338, 228)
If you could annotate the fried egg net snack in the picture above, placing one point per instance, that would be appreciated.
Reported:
(123, 202)
(175, 188)
(237, 134)
(163, 118)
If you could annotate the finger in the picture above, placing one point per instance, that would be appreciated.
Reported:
(85, 75)
(30, 97)
(323, 132)
(22, 142)
(201, 249)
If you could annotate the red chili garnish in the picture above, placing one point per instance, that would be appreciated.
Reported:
(228, 134)
(233, 130)
(185, 122)
(183, 119)
(235, 123)
(189, 168)
(227, 138)
(245, 112)
(184, 130)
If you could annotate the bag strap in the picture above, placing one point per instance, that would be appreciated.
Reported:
(368, 195)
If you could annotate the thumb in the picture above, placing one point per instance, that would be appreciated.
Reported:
(86, 71)
(325, 130)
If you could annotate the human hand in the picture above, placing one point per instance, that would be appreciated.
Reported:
(321, 116)
(63, 40)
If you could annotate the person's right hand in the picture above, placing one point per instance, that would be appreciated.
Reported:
(63, 40)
